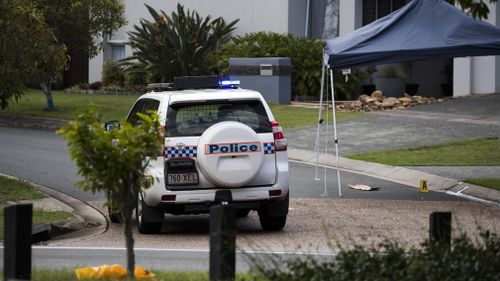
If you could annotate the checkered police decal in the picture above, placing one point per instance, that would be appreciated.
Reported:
(188, 151)
(269, 148)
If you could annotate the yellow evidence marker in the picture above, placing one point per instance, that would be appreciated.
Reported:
(423, 186)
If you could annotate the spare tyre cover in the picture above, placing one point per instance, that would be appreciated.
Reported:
(230, 154)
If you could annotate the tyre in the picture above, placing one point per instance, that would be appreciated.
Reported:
(143, 225)
(114, 215)
(113, 212)
(242, 213)
(270, 223)
(272, 215)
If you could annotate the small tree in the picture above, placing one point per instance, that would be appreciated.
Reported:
(23, 33)
(51, 62)
(114, 162)
(176, 45)
(79, 27)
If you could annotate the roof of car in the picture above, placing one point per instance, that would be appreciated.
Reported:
(204, 94)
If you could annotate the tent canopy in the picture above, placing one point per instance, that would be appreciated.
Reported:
(421, 30)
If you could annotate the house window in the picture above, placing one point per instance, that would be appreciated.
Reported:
(117, 52)
(375, 9)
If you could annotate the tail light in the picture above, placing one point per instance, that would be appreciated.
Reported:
(280, 143)
(162, 136)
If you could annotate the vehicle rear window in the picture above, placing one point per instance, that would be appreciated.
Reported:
(192, 119)
(142, 106)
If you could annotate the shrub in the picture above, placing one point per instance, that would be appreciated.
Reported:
(305, 54)
(83, 86)
(136, 80)
(95, 86)
(176, 45)
(112, 74)
(466, 260)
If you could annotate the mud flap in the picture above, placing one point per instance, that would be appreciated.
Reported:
(150, 214)
(278, 207)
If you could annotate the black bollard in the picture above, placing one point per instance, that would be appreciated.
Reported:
(440, 228)
(222, 240)
(17, 242)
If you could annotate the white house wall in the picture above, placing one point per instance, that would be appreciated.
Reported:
(296, 17)
(483, 75)
(478, 75)
(255, 15)
(350, 16)
(95, 68)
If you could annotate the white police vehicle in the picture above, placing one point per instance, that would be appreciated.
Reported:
(216, 137)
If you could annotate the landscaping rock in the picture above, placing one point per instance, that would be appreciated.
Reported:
(377, 95)
(393, 100)
(376, 101)
(387, 104)
(363, 99)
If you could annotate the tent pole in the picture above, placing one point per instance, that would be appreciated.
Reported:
(335, 132)
(320, 112)
(325, 192)
(306, 32)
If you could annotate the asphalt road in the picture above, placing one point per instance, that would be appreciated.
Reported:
(153, 259)
(42, 157)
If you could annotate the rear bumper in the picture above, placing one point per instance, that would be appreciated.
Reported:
(153, 197)
(203, 208)
(200, 200)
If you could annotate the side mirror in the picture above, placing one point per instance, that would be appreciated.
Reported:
(112, 125)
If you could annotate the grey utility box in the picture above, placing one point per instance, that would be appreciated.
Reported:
(269, 76)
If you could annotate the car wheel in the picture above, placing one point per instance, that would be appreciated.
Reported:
(113, 212)
(242, 213)
(114, 215)
(269, 223)
(143, 226)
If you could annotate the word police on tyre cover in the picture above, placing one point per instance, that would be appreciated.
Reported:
(232, 148)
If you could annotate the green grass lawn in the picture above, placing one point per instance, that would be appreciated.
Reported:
(491, 183)
(33, 103)
(13, 191)
(477, 152)
(291, 117)
(39, 216)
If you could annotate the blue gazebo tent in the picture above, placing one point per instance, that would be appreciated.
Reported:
(421, 30)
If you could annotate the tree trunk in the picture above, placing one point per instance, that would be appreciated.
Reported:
(129, 244)
(128, 198)
(47, 90)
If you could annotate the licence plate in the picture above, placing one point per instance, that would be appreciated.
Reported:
(184, 178)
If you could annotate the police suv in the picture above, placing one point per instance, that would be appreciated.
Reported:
(218, 139)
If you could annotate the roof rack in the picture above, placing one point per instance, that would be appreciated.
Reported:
(195, 82)
(160, 86)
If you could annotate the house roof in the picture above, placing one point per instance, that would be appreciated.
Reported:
(421, 30)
